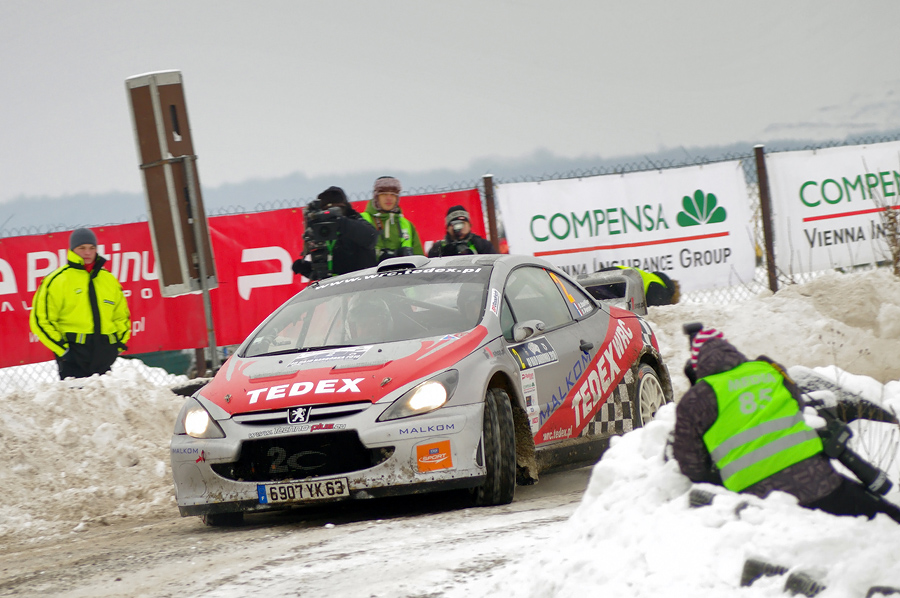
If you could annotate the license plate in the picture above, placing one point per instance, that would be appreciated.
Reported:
(302, 491)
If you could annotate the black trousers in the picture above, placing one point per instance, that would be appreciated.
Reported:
(851, 498)
(94, 356)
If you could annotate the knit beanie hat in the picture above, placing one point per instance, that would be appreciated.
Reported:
(333, 195)
(387, 184)
(700, 338)
(82, 236)
(456, 213)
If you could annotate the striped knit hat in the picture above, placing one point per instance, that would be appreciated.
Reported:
(700, 338)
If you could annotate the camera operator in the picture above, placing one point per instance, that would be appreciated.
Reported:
(460, 239)
(337, 240)
(396, 235)
(741, 426)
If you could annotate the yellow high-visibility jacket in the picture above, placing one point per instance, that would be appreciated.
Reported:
(73, 300)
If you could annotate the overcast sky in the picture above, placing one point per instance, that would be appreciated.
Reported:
(336, 87)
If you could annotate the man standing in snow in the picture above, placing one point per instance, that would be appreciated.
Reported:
(741, 426)
(80, 313)
(460, 240)
(396, 235)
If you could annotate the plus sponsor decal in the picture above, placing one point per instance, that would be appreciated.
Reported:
(590, 383)
(534, 353)
(434, 456)
(278, 430)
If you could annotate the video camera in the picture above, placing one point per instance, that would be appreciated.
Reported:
(322, 226)
(834, 435)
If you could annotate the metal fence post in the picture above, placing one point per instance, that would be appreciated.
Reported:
(765, 205)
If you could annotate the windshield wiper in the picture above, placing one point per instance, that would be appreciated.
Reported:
(302, 350)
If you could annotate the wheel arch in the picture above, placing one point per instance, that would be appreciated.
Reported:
(526, 464)
(654, 360)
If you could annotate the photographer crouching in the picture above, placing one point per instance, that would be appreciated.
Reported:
(337, 240)
(460, 239)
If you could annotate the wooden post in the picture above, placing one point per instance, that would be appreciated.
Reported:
(765, 205)
(491, 215)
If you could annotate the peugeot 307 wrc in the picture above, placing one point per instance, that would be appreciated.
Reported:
(470, 372)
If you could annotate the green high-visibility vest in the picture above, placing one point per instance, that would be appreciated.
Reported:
(760, 429)
(646, 277)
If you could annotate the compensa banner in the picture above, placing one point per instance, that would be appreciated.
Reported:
(828, 204)
(253, 252)
(692, 223)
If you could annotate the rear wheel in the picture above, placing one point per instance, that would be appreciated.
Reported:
(223, 519)
(649, 397)
(499, 451)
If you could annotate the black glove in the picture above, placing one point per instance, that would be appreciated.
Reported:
(302, 267)
(121, 346)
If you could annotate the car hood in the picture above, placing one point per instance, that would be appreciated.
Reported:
(334, 376)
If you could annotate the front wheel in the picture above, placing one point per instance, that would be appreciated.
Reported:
(649, 396)
(498, 451)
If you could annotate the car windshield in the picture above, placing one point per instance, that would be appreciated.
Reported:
(376, 308)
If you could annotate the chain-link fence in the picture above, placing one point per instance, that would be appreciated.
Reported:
(28, 376)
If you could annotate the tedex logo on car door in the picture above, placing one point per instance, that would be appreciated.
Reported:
(590, 390)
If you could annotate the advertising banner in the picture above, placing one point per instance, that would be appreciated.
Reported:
(827, 205)
(694, 223)
(253, 253)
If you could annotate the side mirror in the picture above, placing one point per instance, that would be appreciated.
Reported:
(527, 329)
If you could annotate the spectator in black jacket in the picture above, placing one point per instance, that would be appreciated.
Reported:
(460, 239)
(337, 239)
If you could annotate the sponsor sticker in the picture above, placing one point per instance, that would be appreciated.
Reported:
(342, 354)
(534, 353)
(495, 302)
(434, 456)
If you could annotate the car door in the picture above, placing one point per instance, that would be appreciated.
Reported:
(548, 359)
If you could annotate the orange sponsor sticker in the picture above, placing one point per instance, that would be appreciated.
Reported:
(434, 456)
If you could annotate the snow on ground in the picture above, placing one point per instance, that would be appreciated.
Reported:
(89, 453)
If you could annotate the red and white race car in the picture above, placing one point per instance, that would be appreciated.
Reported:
(472, 372)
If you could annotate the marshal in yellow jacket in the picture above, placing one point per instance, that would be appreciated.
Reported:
(72, 303)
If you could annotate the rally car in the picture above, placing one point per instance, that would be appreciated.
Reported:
(472, 373)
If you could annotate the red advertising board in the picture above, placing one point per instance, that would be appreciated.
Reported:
(253, 255)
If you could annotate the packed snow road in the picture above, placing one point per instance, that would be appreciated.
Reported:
(409, 546)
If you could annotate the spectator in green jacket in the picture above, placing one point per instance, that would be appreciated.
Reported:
(396, 235)
(80, 313)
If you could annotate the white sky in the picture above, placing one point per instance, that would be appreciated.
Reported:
(342, 87)
(632, 535)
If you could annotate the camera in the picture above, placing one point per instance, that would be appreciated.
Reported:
(322, 226)
(321, 223)
(834, 437)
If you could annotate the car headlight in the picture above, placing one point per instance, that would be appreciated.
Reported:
(425, 397)
(196, 422)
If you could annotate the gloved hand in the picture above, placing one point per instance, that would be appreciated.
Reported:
(121, 347)
(302, 267)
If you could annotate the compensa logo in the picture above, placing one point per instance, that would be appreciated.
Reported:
(701, 208)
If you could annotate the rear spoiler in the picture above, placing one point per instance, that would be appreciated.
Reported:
(622, 288)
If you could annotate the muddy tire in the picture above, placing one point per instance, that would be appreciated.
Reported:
(648, 397)
(499, 444)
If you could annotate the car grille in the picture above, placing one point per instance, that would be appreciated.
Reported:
(301, 456)
(317, 412)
